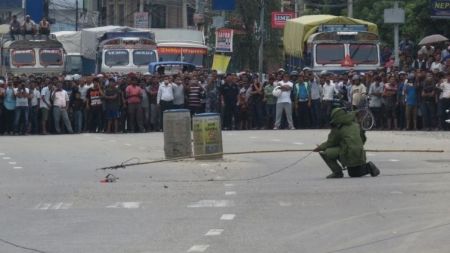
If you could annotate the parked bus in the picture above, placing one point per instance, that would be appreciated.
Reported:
(26, 55)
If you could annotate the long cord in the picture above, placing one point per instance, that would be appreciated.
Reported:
(21, 247)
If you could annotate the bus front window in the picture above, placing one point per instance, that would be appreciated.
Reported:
(143, 57)
(23, 58)
(49, 57)
(117, 58)
(196, 59)
(364, 53)
(330, 53)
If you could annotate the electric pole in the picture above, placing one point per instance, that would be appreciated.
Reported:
(350, 8)
(261, 41)
(76, 15)
(396, 39)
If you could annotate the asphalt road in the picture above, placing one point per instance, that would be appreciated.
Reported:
(52, 201)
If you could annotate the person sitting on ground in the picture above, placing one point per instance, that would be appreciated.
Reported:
(29, 27)
(44, 27)
(14, 27)
(345, 145)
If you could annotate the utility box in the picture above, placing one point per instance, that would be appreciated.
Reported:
(207, 136)
(177, 133)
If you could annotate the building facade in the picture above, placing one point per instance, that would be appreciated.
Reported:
(162, 13)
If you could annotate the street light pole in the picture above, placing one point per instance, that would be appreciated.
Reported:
(350, 8)
(396, 39)
(76, 15)
(261, 41)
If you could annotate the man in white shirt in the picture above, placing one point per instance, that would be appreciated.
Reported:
(165, 97)
(60, 104)
(284, 102)
(444, 101)
(328, 92)
(358, 91)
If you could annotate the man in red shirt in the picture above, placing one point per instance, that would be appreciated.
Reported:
(134, 95)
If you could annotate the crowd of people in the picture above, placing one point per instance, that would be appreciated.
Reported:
(413, 98)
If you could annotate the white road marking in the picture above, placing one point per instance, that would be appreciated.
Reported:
(228, 185)
(212, 203)
(394, 160)
(276, 140)
(2, 154)
(6, 158)
(53, 206)
(298, 143)
(253, 137)
(198, 248)
(396, 192)
(230, 193)
(285, 204)
(12, 163)
(17, 168)
(127, 144)
(214, 232)
(228, 217)
(204, 165)
(127, 205)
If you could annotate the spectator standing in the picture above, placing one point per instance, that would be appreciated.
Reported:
(410, 92)
(303, 102)
(133, 94)
(152, 89)
(164, 98)
(45, 105)
(256, 103)
(329, 91)
(389, 102)
(444, 101)
(22, 95)
(315, 92)
(14, 27)
(213, 93)
(34, 107)
(2, 107)
(178, 93)
(428, 104)
(113, 97)
(229, 93)
(401, 106)
(145, 105)
(77, 106)
(194, 94)
(270, 102)
(419, 63)
(358, 92)
(94, 105)
(437, 66)
(60, 104)
(9, 102)
(375, 92)
(284, 102)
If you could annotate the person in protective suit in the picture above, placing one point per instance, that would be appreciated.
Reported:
(345, 145)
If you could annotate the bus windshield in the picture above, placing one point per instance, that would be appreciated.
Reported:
(23, 57)
(330, 53)
(364, 53)
(143, 57)
(117, 58)
(196, 59)
(50, 57)
(169, 57)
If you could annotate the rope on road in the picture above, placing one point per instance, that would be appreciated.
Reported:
(20, 246)
(126, 163)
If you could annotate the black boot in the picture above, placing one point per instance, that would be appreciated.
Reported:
(335, 175)
(374, 171)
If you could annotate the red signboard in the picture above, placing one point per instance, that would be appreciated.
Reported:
(179, 50)
(279, 19)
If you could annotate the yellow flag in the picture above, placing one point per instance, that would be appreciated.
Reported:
(220, 63)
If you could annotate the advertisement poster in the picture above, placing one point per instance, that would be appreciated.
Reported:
(224, 40)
